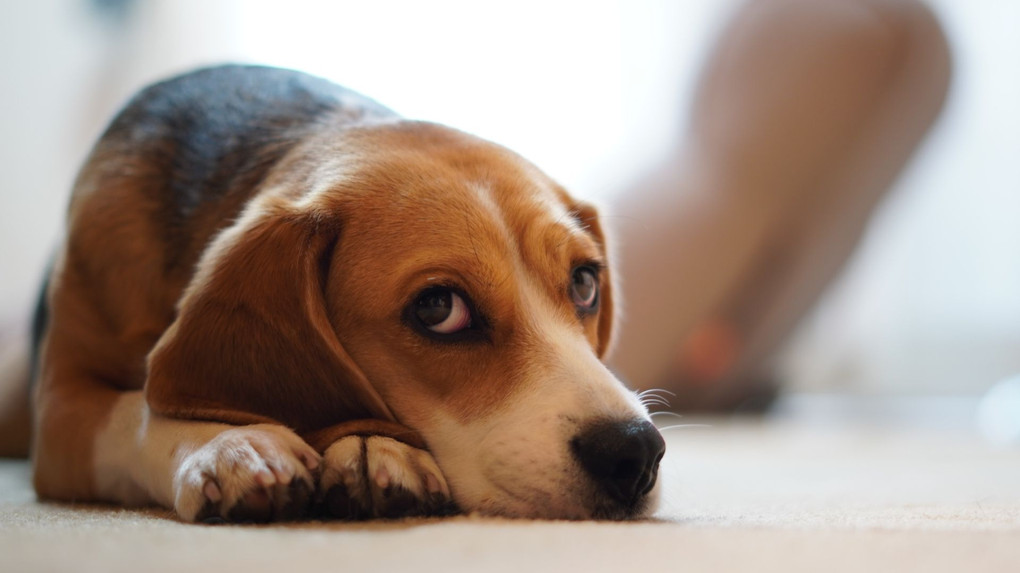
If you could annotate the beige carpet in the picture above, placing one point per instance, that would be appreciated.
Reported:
(823, 486)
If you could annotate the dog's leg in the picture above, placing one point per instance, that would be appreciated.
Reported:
(367, 474)
(204, 470)
(67, 418)
(96, 443)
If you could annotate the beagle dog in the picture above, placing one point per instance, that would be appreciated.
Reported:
(276, 299)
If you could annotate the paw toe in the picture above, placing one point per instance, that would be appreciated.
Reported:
(379, 477)
(254, 474)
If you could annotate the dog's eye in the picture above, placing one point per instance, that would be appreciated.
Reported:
(584, 288)
(442, 311)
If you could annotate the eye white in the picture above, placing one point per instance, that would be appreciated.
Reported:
(458, 319)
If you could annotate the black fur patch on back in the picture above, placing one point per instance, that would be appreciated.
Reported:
(217, 131)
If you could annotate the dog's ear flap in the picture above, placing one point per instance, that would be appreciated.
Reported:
(252, 341)
(588, 216)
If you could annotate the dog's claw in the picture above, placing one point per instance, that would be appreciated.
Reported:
(340, 504)
(399, 502)
(212, 492)
(212, 520)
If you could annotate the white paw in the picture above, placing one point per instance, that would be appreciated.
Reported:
(251, 473)
(371, 477)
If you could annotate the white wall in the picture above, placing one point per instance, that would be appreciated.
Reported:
(593, 92)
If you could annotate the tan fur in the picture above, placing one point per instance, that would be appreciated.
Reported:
(260, 332)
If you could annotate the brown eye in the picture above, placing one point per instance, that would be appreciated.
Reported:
(584, 288)
(442, 311)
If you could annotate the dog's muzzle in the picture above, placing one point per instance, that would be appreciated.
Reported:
(622, 459)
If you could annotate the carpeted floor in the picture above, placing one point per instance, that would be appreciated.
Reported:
(824, 485)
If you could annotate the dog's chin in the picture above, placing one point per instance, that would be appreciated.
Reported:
(612, 510)
(544, 505)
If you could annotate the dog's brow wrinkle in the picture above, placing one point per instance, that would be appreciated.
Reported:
(506, 277)
(563, 242)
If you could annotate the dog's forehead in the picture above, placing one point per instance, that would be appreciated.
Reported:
(432, 191)
(430, 167)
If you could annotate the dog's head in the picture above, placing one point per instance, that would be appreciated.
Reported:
(411, 271)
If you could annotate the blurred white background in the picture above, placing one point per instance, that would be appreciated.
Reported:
(594, 92)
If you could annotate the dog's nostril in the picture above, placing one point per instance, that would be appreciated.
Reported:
(621, 457)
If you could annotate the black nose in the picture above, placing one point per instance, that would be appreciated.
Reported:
(622, 457)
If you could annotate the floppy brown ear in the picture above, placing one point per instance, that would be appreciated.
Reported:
(252, 341)
(588, 216)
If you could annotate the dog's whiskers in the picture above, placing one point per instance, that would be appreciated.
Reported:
(659, 394)
(654, 397)
(655, 390)
(678, 426)
(664, 413)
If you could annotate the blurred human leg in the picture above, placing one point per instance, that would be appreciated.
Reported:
(805, 113)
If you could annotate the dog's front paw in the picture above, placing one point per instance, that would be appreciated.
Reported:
(375, 476)
(253, 473)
